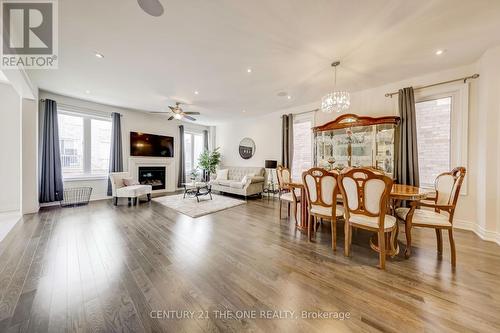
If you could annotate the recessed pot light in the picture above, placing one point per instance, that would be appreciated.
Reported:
(99, 55)
(439, 52)
(87, 92)
(289, 97)
(249, 70)
(244, 111)
(196, 92)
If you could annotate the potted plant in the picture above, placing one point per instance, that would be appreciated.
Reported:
(208, 161)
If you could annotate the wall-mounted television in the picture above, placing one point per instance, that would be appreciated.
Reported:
(142, 144)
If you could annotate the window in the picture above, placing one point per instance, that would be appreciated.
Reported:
(302, 145)
(433, 138)
(193, 147)
(85, 143)
(442, 125)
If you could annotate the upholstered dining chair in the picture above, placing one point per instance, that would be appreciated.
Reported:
(447, 186)
(321, 189)
(366, 196)
(285, 192)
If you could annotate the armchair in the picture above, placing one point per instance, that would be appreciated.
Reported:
(447, 187)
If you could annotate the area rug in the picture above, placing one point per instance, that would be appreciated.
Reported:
(190, 207)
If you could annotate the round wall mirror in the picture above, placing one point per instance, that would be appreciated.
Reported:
(247, 148)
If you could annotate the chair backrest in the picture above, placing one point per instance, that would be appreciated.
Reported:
(284, 177)
(448, 185)
(321, 187)
(365, 192)
(116, 179)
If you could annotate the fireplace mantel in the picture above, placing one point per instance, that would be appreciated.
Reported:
(168, 162)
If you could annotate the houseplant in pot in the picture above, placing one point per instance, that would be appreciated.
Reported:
(208, 161)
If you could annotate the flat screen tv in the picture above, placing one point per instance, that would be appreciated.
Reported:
(142, 144)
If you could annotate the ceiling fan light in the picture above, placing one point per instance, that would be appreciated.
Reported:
(178, 116)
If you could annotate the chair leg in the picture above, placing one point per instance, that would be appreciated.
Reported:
(130, 201)
(408, 240)
(295, 212)
(452, 248)
(115, 201)
(381, 245)
(439, 238)
(394, 240)
(309, 218)
(288, 210)
(149, 196)
(334, 234)
(136, 199)
(348, 238)
(280, 209)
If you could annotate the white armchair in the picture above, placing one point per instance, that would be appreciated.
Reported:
(132, 192)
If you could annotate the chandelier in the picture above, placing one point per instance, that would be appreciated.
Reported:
(337, 100)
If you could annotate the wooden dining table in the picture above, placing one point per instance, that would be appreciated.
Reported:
(399, 193)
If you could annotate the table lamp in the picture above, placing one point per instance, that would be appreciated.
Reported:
(271, 164)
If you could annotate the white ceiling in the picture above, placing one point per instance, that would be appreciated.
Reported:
(289, 44)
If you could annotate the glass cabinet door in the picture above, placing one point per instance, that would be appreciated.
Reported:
(361, 146)
(354, 141)
(385, 148)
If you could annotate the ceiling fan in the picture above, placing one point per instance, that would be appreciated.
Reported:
(178, 113)
(151, 7)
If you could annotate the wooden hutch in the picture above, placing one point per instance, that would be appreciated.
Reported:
(352, 140)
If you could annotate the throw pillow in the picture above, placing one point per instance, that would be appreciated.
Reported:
(130, 182)
(246, 177)
(222, 174)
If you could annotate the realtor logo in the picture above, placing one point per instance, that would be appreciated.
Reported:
(29, 34)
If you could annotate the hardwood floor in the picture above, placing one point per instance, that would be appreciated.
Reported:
(105, 268)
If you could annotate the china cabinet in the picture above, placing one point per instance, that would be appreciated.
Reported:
(354, 141)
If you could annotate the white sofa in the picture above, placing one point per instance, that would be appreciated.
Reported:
(233, 184)
(132, 192)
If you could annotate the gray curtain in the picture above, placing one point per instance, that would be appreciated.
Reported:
(205, 147)
(51, 182)
(116, 153)
(407, 155)
(287, 140)
(182, 160)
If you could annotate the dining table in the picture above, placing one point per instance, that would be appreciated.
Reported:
(399, 193)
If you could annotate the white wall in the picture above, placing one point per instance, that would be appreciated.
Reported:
(488, 146)
(264, 130)
(132, 120)
(10, 136)
(29, 156)
(479, 208)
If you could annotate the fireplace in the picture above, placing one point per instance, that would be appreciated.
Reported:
(154, 176)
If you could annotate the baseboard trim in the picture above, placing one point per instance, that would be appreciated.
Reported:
(484, 234)
(95, 198)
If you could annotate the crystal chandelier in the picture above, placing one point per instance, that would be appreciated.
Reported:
(337, 101)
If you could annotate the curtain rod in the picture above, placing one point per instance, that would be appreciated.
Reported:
(76, 108)
(299, 113)
(464, 79)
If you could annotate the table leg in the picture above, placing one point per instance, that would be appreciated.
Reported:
(409, 218)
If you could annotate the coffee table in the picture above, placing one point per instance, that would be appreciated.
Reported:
(197, 189)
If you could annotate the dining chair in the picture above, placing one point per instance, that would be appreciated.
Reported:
(447, 186)
(366, 196)
(321, 187)
(286, 193)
